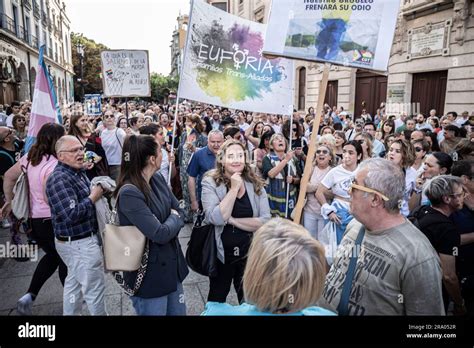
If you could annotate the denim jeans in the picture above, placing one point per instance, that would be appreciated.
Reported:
(172, 304)
(85, 278)
(314, 223)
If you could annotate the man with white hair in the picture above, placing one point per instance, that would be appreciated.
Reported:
(75, 228)
(384, 264)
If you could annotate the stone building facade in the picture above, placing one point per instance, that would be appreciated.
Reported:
(178, 43)
(24, 25)
(430, 64)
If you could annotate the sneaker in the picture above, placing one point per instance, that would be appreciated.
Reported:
(24, 305)
(6, 223)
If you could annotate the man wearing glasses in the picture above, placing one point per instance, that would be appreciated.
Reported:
(446, 195)
(75, 227)
(10, 153)
(384, 264)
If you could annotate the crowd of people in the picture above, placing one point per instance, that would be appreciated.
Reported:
(399, 190)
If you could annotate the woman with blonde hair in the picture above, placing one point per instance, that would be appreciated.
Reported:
(235, 202)
(285, 274)
(324, 161)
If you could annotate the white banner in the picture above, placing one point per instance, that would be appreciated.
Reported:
(125, 73)
(356, 33)
(224, 64)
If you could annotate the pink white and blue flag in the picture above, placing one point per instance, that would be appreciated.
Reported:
(45, 107)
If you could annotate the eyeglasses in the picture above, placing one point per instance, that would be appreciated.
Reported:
(10, 132)
(324, 152)
(418, 149)
(76, 150)
(463, 194)
(366, 189)
(108, 116)
(295, 129)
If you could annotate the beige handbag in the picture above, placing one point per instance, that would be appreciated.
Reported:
(124, 246)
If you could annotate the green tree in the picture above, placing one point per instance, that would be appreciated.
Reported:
(91, 65)
(162, 86)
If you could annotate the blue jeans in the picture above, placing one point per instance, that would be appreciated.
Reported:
(329, 38)
(172, 304)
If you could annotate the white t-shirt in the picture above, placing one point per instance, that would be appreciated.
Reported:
(379, 147)
(276, 128)
(10, 121)
(112, 142)
(165, 165)
(398, 123)
(338, 180)
(460, 121)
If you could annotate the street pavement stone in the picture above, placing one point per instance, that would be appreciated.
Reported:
(15, 278)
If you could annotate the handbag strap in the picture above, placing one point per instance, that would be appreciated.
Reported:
(116, 135)
(113, 218)
(342, 308)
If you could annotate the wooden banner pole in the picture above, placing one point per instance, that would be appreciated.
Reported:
(312, 147)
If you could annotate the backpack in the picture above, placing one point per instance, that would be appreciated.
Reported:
(417, 214)
(21, 198)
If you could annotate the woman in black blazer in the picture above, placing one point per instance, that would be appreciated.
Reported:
(145, 201)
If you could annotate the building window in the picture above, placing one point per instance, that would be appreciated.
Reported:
(15, 19)
(27, 30)
(220, 5)
(302, 89)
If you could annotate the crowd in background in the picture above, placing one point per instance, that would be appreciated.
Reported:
(239, 169)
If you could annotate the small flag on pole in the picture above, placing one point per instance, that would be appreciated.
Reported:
(45, 107)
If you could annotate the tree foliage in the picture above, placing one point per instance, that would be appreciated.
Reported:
(162, 86)
(91, 65)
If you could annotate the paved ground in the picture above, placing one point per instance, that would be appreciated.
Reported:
(15, 278)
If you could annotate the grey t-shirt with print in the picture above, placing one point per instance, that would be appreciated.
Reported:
(398, 273)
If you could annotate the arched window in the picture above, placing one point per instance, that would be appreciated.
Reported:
(302, 89)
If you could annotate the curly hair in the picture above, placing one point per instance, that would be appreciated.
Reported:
(407, 151)
(248, 174)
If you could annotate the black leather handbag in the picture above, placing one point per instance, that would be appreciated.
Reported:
(201, 254)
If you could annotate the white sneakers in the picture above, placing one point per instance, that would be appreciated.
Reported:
(5, 223)
(24, 304)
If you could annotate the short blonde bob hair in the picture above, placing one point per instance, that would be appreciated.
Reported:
(286, 268)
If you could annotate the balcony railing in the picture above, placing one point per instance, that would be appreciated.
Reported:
(27, 4)
(34, 41)
(44, 19)
(8, 24)
(36, 9)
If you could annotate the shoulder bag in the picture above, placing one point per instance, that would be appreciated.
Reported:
(201, 254)
(21, 198)
(125, 250)
(123, 245)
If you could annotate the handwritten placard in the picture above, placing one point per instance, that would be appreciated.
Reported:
(125, 73)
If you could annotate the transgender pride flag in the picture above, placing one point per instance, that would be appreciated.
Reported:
(45, 108)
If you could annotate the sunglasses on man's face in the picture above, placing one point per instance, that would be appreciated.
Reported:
(418, 149)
